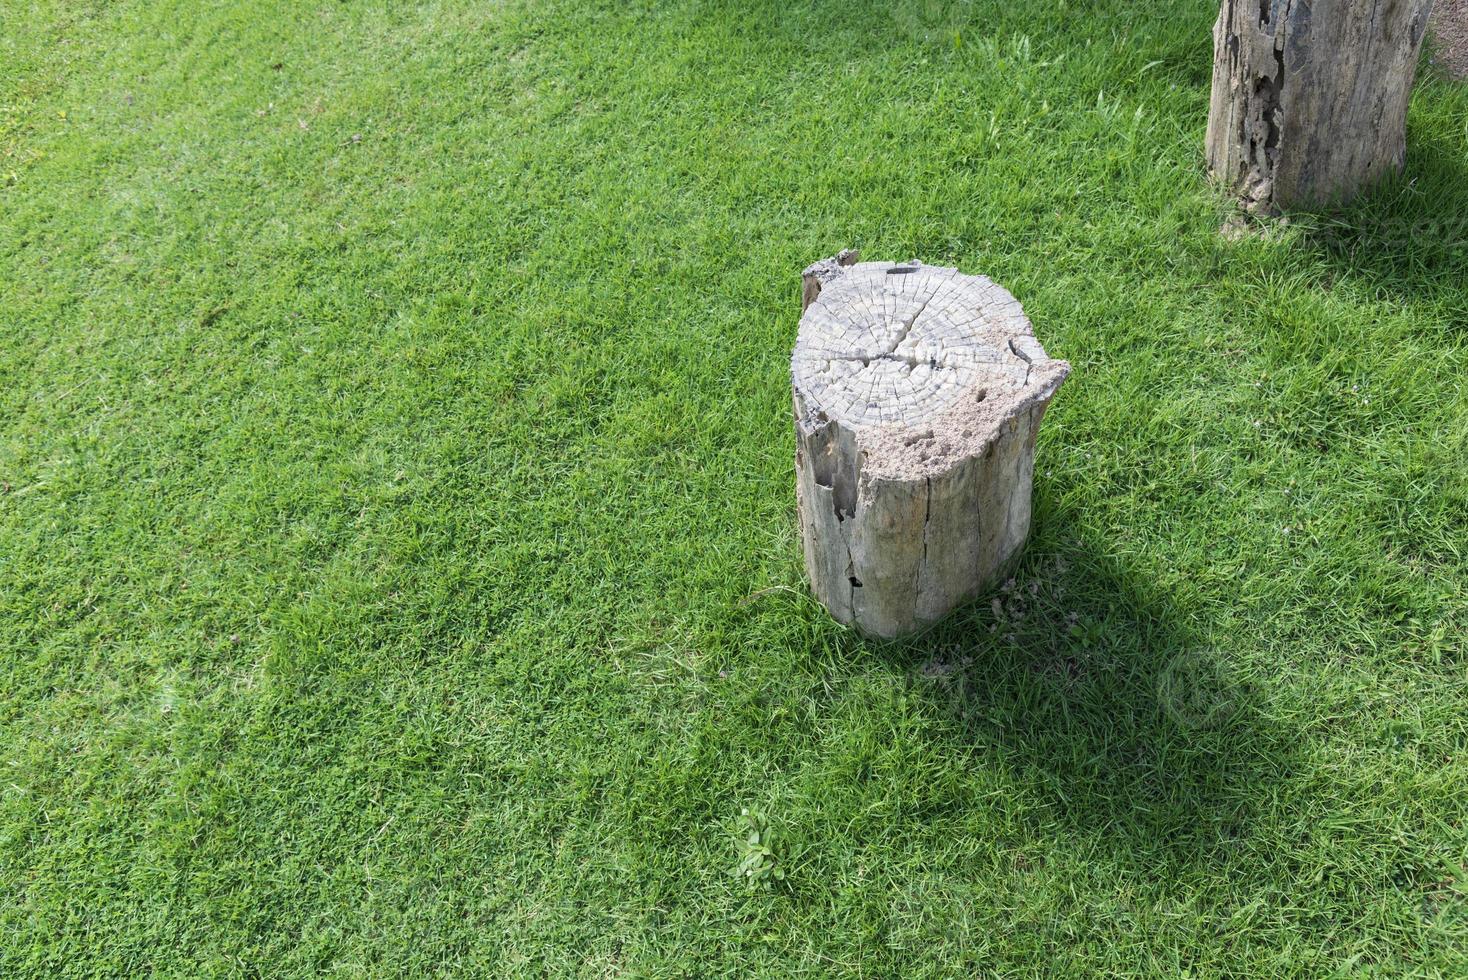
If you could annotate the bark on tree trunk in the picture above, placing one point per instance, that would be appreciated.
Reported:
(918, 394)
(1310, 98)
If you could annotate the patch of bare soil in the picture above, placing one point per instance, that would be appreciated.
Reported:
(1450, 36)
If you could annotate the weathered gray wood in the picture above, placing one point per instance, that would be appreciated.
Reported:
(819, 273)
(1310, 97)
(918, 393)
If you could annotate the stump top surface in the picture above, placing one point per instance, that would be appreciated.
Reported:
(900, 345)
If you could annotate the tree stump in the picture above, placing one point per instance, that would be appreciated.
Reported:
(1310, 96)
(918, 394)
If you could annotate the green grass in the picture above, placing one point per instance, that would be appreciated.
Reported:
(398, 567)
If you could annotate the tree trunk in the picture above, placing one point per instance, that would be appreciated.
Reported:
(1310, 98)
(918, 394)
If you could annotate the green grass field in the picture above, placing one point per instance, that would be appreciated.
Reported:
(398, 558)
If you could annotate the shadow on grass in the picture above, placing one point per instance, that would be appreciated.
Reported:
(1080, 677)
(1407, 239)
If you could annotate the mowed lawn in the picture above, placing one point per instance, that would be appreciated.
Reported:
(398, 557)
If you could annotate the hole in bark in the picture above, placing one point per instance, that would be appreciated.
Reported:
(902, 270)
(1266, 90)
(855, 582)
(828, 473)
(983, 393)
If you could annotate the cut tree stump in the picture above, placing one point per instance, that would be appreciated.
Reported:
(918, 395)
(1310, 97)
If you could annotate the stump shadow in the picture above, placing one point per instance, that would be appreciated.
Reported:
(1407, 238)
(1078, 674)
